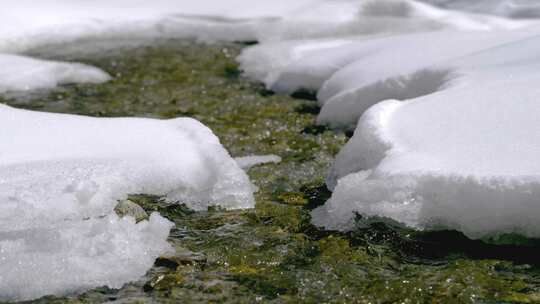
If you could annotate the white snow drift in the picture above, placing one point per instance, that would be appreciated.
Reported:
(61, 177)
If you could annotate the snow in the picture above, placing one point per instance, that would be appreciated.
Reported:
(61, 177)
(379, 72)
(288, 66)
(461, 157)
(75, 255)
(21, 73)
(246, 162)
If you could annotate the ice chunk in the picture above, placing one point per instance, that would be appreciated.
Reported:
(464, 157)
(61, 177)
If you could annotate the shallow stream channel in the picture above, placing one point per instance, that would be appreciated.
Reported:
(272, 253)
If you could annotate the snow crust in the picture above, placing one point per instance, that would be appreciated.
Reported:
(61, 177)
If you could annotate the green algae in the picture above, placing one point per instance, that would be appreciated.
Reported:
(272, 254)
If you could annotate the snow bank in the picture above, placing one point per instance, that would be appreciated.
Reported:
(61, 177)
(464, 157)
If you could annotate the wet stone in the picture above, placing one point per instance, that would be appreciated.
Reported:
(164, 282)
(129, 208)
(293, 198)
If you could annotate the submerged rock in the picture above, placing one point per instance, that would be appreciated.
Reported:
(164, 282)
(182, 256)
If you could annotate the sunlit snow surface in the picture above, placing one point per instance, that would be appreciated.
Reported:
(448, 136)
